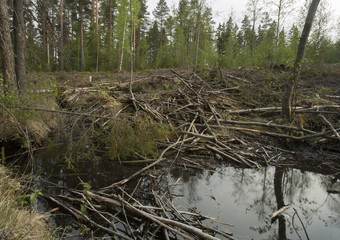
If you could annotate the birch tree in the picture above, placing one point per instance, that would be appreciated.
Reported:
(254, 8)
(281, 9)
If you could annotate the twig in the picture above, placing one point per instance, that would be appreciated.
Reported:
(331, 126)
(297, 214)
(160, 158)
(236, 78)
(66, 112)
(295, 227)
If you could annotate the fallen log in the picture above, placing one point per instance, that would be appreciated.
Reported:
(278, 109)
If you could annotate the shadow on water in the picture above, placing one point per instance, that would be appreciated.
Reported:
(245, 198)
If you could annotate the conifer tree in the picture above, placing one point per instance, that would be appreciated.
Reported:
(161, 13)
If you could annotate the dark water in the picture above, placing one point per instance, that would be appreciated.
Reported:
(245, 198)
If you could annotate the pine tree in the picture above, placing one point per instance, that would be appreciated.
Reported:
(161, 13)
(19, 44)
(6, 49)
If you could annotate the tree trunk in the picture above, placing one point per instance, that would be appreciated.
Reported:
(82, 56)
(19, 44)
(109, 24)
(122, 50)
(288, 94)
(277, 31)
(43, 26)
(61, 36)
(278, 189)
(6, 50)
(97, 38)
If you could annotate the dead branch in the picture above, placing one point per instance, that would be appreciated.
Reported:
(331, 126)
(278, 109)
(160, 158)
(281, 210)
(164, 222)
(236, 78)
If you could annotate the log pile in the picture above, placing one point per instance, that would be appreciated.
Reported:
(119, 214)
(210, 122)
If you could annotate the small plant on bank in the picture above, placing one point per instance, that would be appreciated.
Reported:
(18, 110)
(16, 221)
(29, 198)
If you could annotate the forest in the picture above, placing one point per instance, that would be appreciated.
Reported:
(96, 35)
(118, 121)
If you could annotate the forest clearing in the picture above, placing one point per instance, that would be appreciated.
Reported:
(177, 120)
(115, 125)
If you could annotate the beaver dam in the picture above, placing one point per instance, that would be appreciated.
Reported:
(179, 154)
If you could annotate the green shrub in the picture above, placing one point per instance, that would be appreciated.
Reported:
(138, 136)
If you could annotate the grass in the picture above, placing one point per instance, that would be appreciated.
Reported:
(17, 222)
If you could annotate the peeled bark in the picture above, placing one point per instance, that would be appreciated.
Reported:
(6, 50)
(19, 44)
(288, 94)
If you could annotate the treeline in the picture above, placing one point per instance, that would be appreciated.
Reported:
(100, 35)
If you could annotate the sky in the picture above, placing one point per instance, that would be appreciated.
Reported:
(223, 8)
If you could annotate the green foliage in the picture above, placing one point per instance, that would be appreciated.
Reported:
(130, 138)
(29, 198)
(86, 186)
(182, 37)
(19, 103)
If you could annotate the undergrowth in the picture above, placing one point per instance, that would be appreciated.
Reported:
(18, 111)
(137, 136)
(17, 222)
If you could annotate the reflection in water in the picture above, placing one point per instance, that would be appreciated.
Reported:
(278, 176)
(246, 198)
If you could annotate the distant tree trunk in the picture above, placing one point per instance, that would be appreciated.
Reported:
(288, 94)
(122, 50)
(109, 24)
(61, 36)
(198, 35)
(97, 38)
(82, 56)
(43, 26)
(277, 31)
(19, 44)
(6, 50)
(52, 37)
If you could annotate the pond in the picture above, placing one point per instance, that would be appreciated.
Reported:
(243, 198)
(246, 198)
